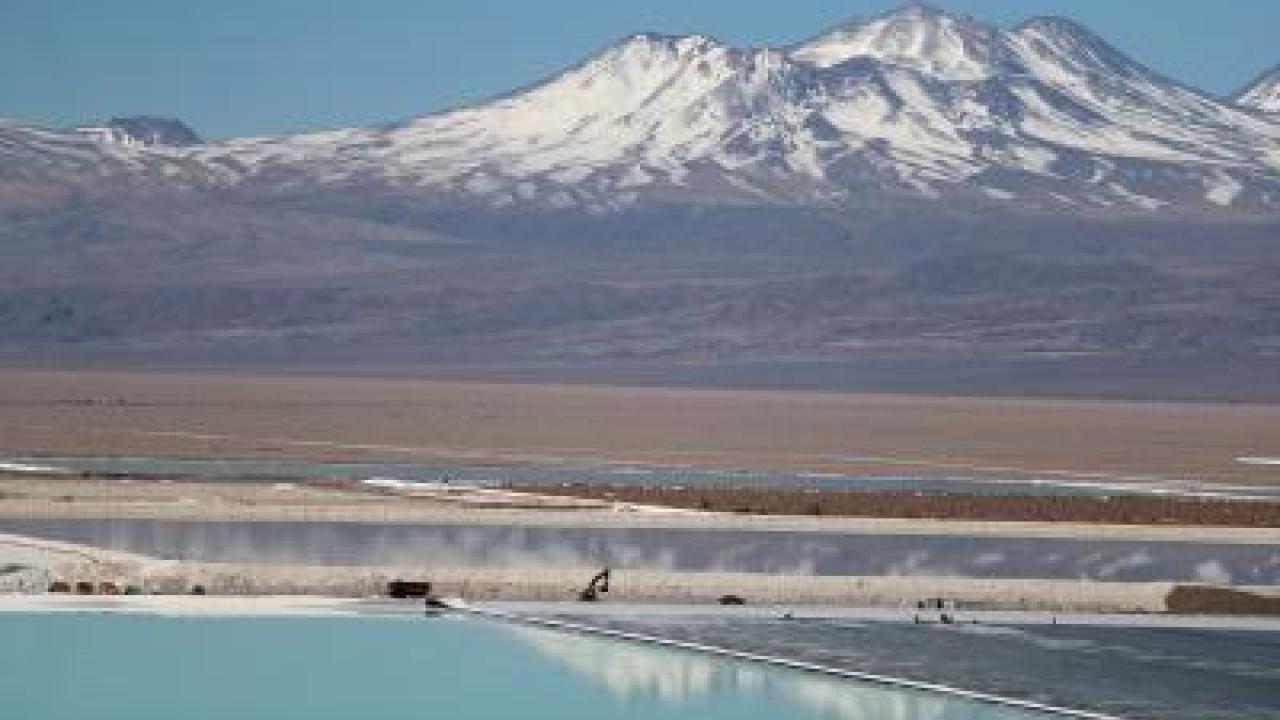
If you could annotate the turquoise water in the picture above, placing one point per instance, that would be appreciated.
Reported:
(143, 667)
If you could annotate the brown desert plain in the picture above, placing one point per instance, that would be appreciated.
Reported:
(247, 415)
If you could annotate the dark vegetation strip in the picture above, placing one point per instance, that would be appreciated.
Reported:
(1127, 509)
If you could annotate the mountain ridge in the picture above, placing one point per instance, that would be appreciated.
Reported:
(915, 102)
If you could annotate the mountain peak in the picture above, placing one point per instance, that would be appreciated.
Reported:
(924, 14)
(152, 130)
(917, 36)
(917, 10)
(1054, 24)
(141, 130)
(914, 11)
(1263, 93)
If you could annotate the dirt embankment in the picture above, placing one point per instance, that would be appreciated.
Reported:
(1124, 510)
(1220, 601)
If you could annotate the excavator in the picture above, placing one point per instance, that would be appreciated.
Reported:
(599, 584)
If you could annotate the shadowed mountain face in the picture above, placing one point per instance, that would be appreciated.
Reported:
(916, 183)
(150, 130)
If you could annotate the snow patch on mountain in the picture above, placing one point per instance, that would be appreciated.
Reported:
(1222, 189)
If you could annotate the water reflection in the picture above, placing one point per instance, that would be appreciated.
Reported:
(634, 673)
(793, 553)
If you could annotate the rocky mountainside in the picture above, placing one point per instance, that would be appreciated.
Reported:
(913, 183)
(149, 130)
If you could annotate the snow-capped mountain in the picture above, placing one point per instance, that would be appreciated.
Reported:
(1263, 93)
(916, 103)
(913, 185)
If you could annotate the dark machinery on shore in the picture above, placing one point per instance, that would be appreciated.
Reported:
(403, 589)
(434, 604)
(105, 587)
(945, 609)
(417, 590)
(599, 584)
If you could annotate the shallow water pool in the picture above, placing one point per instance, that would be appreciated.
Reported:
(79, 665)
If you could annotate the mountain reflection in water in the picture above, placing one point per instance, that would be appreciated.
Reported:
(637, 673)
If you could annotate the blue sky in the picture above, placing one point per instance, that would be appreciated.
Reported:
(241, 67)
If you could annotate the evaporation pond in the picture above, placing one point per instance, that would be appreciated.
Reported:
(144, 667)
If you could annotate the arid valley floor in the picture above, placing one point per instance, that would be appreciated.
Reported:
(246, 415)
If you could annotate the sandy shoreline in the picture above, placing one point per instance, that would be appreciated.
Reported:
(323, 606)
(46, 560)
